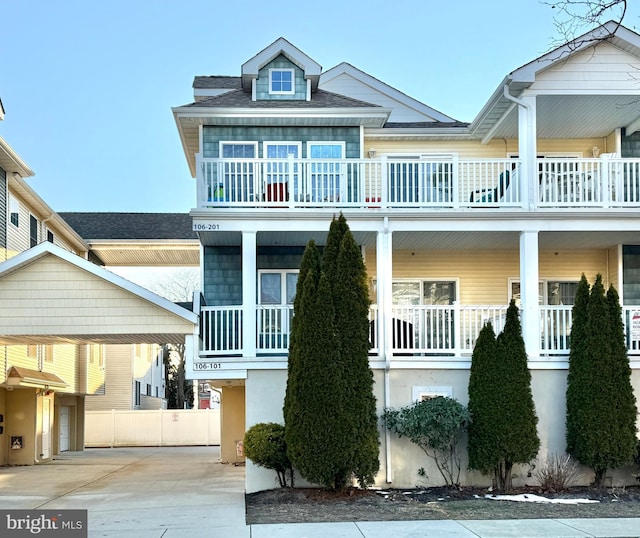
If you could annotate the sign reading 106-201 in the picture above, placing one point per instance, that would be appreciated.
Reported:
(206, 366)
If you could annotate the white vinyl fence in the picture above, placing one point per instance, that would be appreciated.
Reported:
(161, 427)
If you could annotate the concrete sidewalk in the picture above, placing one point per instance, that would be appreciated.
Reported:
(171, 492)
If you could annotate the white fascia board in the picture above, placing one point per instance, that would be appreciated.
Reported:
(185, 146)
(19, 165)
(46, 248)
(205, 113)
(381, 87)
(311, 68)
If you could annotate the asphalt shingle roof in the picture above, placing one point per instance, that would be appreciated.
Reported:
(319, 99)
(131, 226)
(217, 83)
(425, 124)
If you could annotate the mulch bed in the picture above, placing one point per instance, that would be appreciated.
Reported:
(296, 505)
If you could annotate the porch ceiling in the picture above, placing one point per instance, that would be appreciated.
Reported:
(78, 339)
(510, 240)
(576, 116)
(435, 240)
(147, 253)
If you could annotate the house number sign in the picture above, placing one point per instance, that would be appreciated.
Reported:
(206, 366)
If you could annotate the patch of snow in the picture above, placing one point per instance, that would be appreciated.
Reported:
(529, 498)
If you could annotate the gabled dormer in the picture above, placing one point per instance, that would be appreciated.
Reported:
(280, 72)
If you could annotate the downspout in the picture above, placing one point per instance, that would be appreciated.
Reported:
(387, 386)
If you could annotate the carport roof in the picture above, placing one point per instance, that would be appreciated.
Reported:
(50, 295)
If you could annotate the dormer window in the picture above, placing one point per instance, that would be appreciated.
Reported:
(281, 81)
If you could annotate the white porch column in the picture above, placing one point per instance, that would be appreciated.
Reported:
(527, 150)
(530, 310)
(249, 293)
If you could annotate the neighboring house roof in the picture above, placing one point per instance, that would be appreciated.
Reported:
(349, 80)
(498, 118)
(320, 99)
(137, 226)
(84, 303)
(138, 239)
(281, 46)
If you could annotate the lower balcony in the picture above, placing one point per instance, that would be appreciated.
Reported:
(438, 331)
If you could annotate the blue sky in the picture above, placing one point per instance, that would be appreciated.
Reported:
(88, 87)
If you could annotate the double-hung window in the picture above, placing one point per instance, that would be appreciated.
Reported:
(281, 81)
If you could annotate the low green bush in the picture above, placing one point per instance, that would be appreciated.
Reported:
(265, 446)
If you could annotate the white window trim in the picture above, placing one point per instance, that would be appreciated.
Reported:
(420, 393)
(340, 143)
(237, 143)
(421, 282)
(280, 143)
(283, 283)
(282, 70)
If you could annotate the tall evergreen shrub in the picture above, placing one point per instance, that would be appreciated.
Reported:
(503, 419)
(601, 411)
(330, 419)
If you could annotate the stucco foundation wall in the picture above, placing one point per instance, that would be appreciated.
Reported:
(265, 391)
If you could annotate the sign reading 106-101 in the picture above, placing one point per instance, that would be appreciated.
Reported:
(206, 366)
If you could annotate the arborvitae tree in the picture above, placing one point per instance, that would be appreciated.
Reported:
(351, 305)
(484, 402)
(316, 434)
(601, 411)
(330, 419)
(517, 420)
(577, 397)
(624, 448)
(310, 265)
(601, 426)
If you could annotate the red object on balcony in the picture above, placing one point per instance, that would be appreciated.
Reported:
(277, 192)
(373, 199)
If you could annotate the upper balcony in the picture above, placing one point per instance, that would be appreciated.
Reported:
(449, 183)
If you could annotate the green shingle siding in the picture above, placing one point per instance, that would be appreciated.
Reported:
(213, 135)
(262, 84)
(223, 270)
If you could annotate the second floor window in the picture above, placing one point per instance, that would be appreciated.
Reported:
(14, 210)
(33, 231)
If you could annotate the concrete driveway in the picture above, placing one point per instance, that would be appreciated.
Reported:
(155, 492)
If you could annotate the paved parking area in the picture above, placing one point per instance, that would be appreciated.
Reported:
(155, 492)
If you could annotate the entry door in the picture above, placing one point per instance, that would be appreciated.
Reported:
(46, 428)
(64, 429)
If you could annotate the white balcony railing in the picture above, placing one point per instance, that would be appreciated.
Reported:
(416, 330)
(423, 183)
